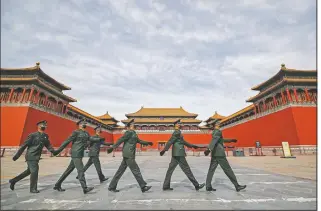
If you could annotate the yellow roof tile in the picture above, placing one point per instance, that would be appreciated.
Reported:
(107, 117)
(283, 69)
(37, 68)
(159, 112)
(166, 120)
(244, 110)
(215, 116)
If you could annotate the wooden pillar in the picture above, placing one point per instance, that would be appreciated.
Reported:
(37, 100)
(23, 95)
(295, 95)
(307, 95)
(65, 109)
(31, 93)
(62, 108)
(56, 109)
(283, 98)
(274, 100)
(254, 109)
(46, 100)
(264, 106)
(288, 94)
(10, 95)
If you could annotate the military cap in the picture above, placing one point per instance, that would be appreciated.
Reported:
(98, 127)
(177, 122)
(130, 122)
(42, 122)
(81, 121)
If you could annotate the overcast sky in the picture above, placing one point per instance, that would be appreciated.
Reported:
(119, 55)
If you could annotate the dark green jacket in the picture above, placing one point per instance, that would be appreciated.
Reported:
(80, 141)
(217, 144)
(178, 142)
(130, 139)
(34, 144)
(94, 145)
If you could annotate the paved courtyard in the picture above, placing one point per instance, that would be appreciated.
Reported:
(265, 188)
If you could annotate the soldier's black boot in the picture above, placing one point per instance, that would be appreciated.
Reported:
(200, 186)
(34, 191)
(210, 189)
(12, 183)
(165, 189)
(113, 190)
(145, 188)
(87, 190)
(77, 177)
(58, 188)
(103, 179)
(240, 187)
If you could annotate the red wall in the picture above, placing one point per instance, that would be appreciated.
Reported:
(306, 124)
(155, 138)
(59, 129)
(296, 125)
(12, 124)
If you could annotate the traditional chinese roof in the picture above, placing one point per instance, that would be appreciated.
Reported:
(204, 127)
(38, 70)
(244, 110)
(161, 112)
(165, 120)
(85, 114)
(215, 116)
(283, 72)
(281, 83)
(108, 119)
(38, 81)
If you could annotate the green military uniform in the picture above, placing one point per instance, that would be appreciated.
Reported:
(130, 139)
(79, 139)
(178, 158)
(219, 158)
(34, 144)
(94, 148)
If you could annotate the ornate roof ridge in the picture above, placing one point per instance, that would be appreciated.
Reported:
(37, 68)
(282, 70)
(143, 111)
(247, 108)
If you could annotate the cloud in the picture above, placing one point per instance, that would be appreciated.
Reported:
(119, 55)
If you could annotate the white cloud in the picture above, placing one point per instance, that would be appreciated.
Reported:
(120, 55)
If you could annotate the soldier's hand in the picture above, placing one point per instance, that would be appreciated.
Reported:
(150, 143)
(206, 152)
(109, 150)
(14, 158)
(162, 153)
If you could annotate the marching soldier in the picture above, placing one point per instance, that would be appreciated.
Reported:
(79, 139)
(219, 158)
(130, 139)
(94, 148)
(178, 158)
(34, 144)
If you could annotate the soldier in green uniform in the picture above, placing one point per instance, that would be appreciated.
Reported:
(94, 148)
(34, 144)
(80, 140)
(178, 158)
(219, 158)
(130, 139)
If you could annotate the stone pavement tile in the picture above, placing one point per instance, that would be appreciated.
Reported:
(265, 190)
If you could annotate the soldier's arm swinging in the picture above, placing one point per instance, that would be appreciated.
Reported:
(122, 139)
(216, 137)
(65, 143)
(229, 140)
(49, 146)
(22, 147)
(144, 142)
(175, 135)
(188, 144)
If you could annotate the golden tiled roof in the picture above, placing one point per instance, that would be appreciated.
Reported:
(166, 120)
(215, 116)
(159, 112)
(244, 110)
(109, 122)
(37, 68)
(107, 117)
(36, 79)
(283, 69)
(87, 115)
(310, 80)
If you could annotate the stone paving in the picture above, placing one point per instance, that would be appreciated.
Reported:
(265, 189)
